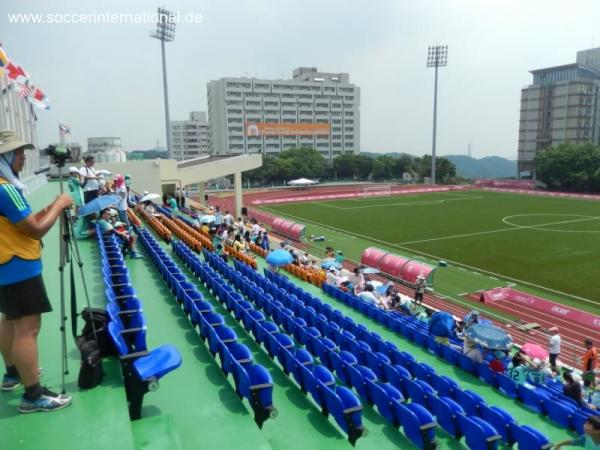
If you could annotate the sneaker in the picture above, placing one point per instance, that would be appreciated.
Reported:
(48, 401)
(135, 255)
(10, 383)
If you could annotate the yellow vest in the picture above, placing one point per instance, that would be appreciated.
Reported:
(14, 243)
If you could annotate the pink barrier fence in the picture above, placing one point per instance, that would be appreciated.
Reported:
(401, 267)
(510, 184)
(279, 225)
(533, 302)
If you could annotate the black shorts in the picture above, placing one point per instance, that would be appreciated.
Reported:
(88, 196)
(25, 298)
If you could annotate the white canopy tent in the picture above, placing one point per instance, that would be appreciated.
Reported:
(302, 182)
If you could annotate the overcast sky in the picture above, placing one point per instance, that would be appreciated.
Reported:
(106, 80)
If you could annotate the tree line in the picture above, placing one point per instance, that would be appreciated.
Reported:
(570, 167)
(309, 163)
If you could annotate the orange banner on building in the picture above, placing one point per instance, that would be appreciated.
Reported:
(286, 129)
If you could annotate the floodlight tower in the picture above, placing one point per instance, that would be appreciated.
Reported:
(165, 32)
(437, 56)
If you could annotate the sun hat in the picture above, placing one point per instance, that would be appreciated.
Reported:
(9, 141)
(553, 329)
(536, 362)
(73, 169)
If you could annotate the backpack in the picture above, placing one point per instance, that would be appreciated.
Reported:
(100, 319)
(91, 371)
(92, 351)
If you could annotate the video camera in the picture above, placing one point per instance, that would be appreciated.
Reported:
(59, 154)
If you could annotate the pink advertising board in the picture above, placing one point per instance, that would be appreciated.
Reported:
(547, 306)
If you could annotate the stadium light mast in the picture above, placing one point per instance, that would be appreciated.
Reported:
(437, 56)
(165, 32)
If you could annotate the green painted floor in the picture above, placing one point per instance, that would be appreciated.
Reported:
(196, 406)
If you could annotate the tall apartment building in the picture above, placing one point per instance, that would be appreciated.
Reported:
(560, 106)
(313, 109)
(189, 138)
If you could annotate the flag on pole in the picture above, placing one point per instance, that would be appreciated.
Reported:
(14, 72)
(39, 99)
(24, 90)
(64, 129)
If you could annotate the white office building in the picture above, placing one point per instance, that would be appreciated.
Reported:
(106, 149)
(189, 138)
(313, 109)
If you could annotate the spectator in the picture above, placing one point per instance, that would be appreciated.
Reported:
(329, 252)
(357, 281)
(89, 179)
(572, 389)
(497, 364)
(471, 350)
(332, 277)
(186, 196)
(228, 219)
(369, 295)
(554, 346)
(255, 230)
(420, 286)
(238, 244)
(121, 192)
(239, 225)
(471, 318)
(538, 373)
(266, 243)
(173, 205)
(218, 217)
(590, 439)
(460, 329)
(75, 190)
(590, 361)
(339, 257)
(304, 259)
(127, 239)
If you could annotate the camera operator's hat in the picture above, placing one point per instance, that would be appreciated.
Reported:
(9, 141)
(73, 169)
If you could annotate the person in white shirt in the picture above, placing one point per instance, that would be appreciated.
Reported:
(332, 277)
(228, 219)
(255, 231)
(369, 295)
(554, 346)
(89, 179)
(357, 281)
(121, 192)
(240, 225)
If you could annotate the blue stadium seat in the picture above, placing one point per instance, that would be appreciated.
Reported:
(469, 401)
(487, 375)
(142, 370)
(254, 382)
(232, 353)
(341, 361)
(501, 420)
(446, 411)
(384, 397)
(418, 425)
(451, 355)
(346, 409)
(531, 398)
(530, 438)
(444, 385)
(479, 434)
(507, 386)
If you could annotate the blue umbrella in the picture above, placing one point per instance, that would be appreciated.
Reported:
(441, 324)
(279, 257)
(370, 270)
(207, 219)
(98, 204)
(489, 336)
(330, 262)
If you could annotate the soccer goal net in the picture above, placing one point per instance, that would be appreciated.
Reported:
(377, 190)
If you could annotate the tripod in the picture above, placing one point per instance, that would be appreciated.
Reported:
(69, 248)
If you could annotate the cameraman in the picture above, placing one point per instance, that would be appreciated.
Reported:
(23, 296)
(90, 180)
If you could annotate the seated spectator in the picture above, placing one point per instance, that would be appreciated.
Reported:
(329, 252)
(303, 259)
(314, 265)
(459, 331)
(266, 243)
(471, 318)
(471, 350)
(238, 244)
(590, 439)
(572, 389)
(539, 372)
(357, 281)
(339, 257)
(401, 303)
(332, 277)
(369, 295)
(497, 364)
(124, 236)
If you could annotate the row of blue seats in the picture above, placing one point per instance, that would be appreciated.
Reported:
(127, 328)
(252, 380)
(545, 399)
(389, 364)
(340, 402)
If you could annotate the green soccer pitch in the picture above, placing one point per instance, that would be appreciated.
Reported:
(545, 245)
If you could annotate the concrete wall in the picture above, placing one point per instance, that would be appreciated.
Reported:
(146, 175)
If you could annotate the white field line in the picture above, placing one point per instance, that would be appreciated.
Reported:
(500, 230)
(418, 203)
(435, 257)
